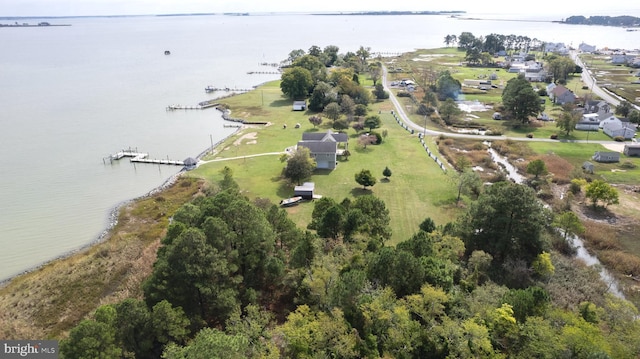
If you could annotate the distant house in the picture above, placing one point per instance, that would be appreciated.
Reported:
(562, 95)
(632, 150)
(603, 156)
(621, 59)
(305, 191)
(324, 147)
(588, 122)
(618, 128)
(299, 105)
(586, 48)
(556, 47)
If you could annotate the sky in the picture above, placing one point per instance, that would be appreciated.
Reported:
(147, 7)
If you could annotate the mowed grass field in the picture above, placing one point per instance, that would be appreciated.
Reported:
(417, 188)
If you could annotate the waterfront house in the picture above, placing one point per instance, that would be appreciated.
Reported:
(324, 147)
(586, 48)
(632, 150)
(607, 157)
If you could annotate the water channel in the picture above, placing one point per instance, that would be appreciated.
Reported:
(575, 241)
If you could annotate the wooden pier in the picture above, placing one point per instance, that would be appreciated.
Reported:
(201, 106)
(140, 157)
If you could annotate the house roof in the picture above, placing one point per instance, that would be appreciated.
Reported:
(319, 146)
(307, 186)
(325, 136)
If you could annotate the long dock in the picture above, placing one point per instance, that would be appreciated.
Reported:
(140, 157)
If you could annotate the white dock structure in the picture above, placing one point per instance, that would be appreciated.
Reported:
(140, 157)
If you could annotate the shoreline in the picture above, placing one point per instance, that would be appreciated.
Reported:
(113, 213)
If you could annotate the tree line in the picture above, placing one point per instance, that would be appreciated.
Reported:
(236, 278)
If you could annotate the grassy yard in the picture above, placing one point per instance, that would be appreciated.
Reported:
(417, 188)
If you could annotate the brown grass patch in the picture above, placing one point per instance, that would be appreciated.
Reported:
(49, 301)
(621, 262)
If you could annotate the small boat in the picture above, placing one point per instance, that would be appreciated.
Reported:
(290, 201)
(209, 89)
(167, 52)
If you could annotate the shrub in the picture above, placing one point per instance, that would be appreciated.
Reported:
(553, 136)
(628, 165)
(378, 137)
(618, 139)
(403, 94)
(529, 135)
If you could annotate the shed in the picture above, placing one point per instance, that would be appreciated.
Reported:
(299, 105)
(587, 167)
(190, 163)
(632, 150)
(305, 191)
(604, 156)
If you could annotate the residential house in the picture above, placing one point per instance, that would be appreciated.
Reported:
(619, 128)
(610, 119)
(299, 105)
(588, 122)
(603, 156)
(586, 48)
(602, 108)
(622, 59)
(324, 147)
(556, 47)
(562, 95)
(632, 150)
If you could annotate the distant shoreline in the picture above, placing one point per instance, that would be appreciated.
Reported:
(33, 25)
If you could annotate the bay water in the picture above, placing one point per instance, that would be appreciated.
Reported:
(70, 96)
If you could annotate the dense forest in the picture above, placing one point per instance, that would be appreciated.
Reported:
(604, 20)
(236, 278)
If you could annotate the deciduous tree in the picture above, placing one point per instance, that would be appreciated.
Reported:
(519, 99)
(365, 178)
(300, 165)
(600, 191)
(296, 82)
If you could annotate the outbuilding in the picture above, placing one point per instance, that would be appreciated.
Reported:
(604, 156)
(299, 105)
(632, 150)
(305, 191)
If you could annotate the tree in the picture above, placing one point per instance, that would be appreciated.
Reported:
(634, 117)
(380, 93)
(449, 111)
(295, 54)
(569, 223)
(375, 71)
(386, 173)
(316, 67)
(365, 178)
(331, 53)
(91, 340)
(506, 221)
(624, 108)
(315, 120)
(372, 122)
(447, 86)
(332, 111)
(300, 165)
(322, 95)
(347, 106)
(296, 82)
(466, 182)
(520, 99)
(365, 140)
(561, 67)
(599, 190)
(537, 167)
(363, 54)
(428, 225)
(567, 121)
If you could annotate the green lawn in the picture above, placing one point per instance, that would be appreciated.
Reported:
(578, 153)
(417, 188)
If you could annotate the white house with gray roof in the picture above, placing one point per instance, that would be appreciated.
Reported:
(324, 147)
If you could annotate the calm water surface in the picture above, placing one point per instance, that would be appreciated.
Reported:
(71, 95)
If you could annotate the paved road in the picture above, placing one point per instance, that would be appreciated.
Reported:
(589, 80)
(422, 129)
